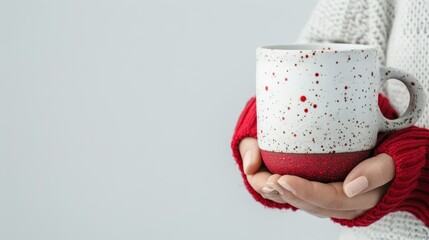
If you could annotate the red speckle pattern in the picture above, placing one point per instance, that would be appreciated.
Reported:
(317, 101)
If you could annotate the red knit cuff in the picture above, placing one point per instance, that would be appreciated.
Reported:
(385, 107)
(409, 149)
(246, 127)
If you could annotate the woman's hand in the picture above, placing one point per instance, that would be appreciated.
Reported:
(257, 176)
(362, 189)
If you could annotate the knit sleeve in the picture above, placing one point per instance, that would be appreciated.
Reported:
(409, 149)
(351, 21)
(246, 127)
(409, 190)
(329, 22)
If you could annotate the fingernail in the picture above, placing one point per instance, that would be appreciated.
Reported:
(356, 186)
(246, 161)
(268, 190)
(288, 187)
(273, 185)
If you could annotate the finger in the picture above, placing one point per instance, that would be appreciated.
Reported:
(258, 180)
(290, 198)
(293, 200)
(369, 174)
(340, 214)
(272, 182)
(249, 151)
(328, 196)
(274, 196)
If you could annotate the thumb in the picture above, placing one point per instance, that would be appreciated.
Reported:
(249, 151)
(369, 174)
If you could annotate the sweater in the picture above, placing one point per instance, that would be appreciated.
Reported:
(398, 28)
(400, 31)
(408, 192)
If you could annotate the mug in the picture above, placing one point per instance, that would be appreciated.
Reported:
(317, 107)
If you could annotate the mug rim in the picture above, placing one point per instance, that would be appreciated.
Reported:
(311, 47)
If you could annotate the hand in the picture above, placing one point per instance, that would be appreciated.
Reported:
(362, 189)
(257, 176)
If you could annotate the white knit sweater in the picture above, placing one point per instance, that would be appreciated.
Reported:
(400, 30)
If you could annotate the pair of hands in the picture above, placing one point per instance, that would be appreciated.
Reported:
(362, 189)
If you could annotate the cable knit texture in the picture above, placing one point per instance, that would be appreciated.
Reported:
(400, 31)
(408, 49)
(398, 226)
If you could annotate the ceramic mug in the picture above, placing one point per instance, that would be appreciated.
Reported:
(317, 107)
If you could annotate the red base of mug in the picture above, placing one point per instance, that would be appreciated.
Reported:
(332, 167)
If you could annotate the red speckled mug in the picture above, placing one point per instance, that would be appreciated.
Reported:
(317, 107)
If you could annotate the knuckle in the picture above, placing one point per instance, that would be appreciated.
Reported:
(383, 174)
(390, 168)
(246, 144)
(385, 170)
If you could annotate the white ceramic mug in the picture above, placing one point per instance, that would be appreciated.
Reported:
(317, 107)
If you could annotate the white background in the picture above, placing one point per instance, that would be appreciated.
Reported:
(116, 119)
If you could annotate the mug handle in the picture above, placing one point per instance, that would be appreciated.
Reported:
(417, 100)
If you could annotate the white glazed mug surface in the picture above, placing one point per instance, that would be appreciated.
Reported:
(317, 107)
(323, 98)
